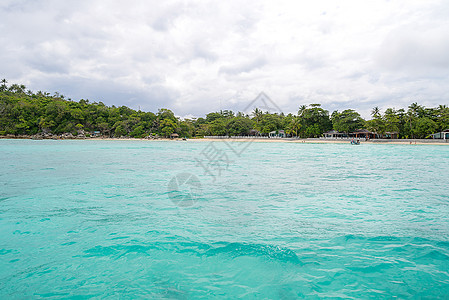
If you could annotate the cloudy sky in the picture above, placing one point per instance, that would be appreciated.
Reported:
(195, 57)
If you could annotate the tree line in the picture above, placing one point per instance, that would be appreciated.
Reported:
(23, 112)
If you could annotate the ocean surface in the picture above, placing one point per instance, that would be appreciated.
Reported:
(192, 219)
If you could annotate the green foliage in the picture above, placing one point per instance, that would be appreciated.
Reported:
(23, 112)
(218, 127)
(315, 120)
(138, 132)
(392, 121)
(347, 121)
(377, 123)
(186, 128)
(423, 127)
(270, 122)
(239, 126)
(120, 129)
(168, 126)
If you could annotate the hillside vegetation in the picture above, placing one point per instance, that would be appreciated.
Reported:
(23, 112)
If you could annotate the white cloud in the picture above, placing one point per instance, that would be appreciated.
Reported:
(199, 56)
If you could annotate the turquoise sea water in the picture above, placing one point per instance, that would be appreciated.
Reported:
(101, 219)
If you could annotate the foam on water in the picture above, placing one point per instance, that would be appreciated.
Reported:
(281, 221)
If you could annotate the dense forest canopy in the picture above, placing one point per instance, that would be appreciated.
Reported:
(23, 112)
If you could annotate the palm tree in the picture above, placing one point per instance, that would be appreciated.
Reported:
(295, 125)
(375, 112)
(409, 117)
(257, 113)
(301, 110)
(415, 109)
(442, 109)
(3, 87)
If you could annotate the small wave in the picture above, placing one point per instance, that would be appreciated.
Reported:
(372, 269)
(384, 238)
(435, 254)
(443, 244)
(5, 251)
(406, 190)
(232, 249)
(117, 250)
(269, 251)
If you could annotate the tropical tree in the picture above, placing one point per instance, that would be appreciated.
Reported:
(120, 129)
(186, 128)
(270, 122)
(391, 120)
(3, 87)
(375, 112)
(218, 127)
(424, 127)
(167, 127)
(239, 126)
(442, 114)
(347, 121)
(301, 109)
(317, 118)
(416, 110)
(210, 117)
(376, 124)
(257, 116)
(294, 126)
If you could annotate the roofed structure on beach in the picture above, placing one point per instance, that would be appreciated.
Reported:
(277, 133)
(95, 133)
(332, 134)
(254, 132)
(363, 133)
(391, 135)
(174, 135)
(441, 135)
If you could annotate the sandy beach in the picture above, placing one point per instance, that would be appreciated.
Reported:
(333, 141)
(287, 140)
(263, 140)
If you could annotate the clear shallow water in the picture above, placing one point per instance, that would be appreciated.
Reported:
(282, 221)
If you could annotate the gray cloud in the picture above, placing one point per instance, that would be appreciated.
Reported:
(245, 67)
(411, 49)
(195, 57)
(110, 93)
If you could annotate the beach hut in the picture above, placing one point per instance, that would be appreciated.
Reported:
(281, 134)
(441, 135)
(174, 136)
(95, 133)
(363, 133)
(333, 134)
(391, 135)
(277, 134)
(254, 132)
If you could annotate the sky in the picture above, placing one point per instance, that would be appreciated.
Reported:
(195, 57)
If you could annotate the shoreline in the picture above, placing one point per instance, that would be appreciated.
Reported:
(258, 140)
(334, 141)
